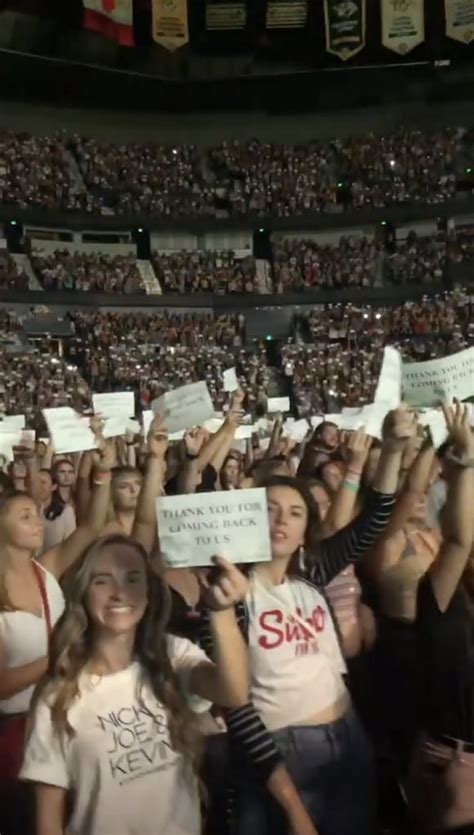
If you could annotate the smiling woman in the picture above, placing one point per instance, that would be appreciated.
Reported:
(112, 721)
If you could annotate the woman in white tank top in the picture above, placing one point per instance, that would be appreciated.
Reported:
(31, 601)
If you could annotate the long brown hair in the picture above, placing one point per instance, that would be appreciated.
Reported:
(71, 649)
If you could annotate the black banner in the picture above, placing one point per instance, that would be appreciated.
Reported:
(287, 14)
(345, 22)
(224, 15)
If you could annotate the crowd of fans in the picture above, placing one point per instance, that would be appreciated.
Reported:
(378, 171)
(87, 272)
(340, 363)
(237, 178)
(35, 172)
(11, 277)
(205, 271)
(332, 360)
(144, 178)
(296, 265)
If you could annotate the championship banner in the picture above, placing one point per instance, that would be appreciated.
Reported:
(222, 16)
(345, 27)
(460, 20)
(286, 14)
(403, 24)
(111, 18)
(170, 23)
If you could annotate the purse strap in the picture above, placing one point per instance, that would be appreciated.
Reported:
(39, 573)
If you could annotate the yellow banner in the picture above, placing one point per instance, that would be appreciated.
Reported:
(403, 24)
(460, 20)
(170, 23)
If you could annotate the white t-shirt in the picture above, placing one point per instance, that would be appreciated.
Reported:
(296, 664)
(125, 777)
(24, 639)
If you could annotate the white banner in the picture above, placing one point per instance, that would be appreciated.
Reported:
(193, 529)
(460, 20)
(403, 24)
(428, 383)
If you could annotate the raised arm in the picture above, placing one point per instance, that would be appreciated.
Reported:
(342, 509)
(58, 559)
(352, 542)
(144, 527)
(447, 570)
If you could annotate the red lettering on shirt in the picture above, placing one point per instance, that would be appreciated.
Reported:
(278, 628)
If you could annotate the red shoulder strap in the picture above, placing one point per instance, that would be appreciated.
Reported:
(44, 596)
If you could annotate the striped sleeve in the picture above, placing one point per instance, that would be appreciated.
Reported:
(248, 731)
(245, 727)
(353, 541)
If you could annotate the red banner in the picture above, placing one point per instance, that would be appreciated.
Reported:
(111, 18)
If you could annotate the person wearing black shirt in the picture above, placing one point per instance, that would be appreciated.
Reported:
(441, 785)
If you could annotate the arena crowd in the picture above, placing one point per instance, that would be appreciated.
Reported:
(314, 675)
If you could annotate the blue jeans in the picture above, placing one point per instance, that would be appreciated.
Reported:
(332, 768)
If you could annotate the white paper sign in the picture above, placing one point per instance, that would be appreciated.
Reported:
(426, 383)
(185, 407)
(68, 432)
(297, 430)
(243, 433)
(7, 442)
(316, 421)
(12, 423)
(192, 529)
(389, 386)
(116, 408)
(436, 423)
(230, 380)
(147, 417)
(278, 404)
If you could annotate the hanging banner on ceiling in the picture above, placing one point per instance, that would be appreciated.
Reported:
(226, 16)
(403, 24)
(286, 14)
(345, 27)
(170, 23)
(460, 20)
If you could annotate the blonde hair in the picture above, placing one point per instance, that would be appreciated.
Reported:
(71, 649)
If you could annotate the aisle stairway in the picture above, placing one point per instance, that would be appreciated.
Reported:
(264, 281)
(24, 265)
(152, 285)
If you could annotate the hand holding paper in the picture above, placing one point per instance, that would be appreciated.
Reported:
(224, 588)
(157, 439)
(192, 528)
(399, 426)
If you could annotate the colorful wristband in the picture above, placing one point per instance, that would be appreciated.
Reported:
(349, 485)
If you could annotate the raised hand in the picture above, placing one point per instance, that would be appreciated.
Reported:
(460, 433)
(237, 398)
(224, 588)
(358, 447)
(193, 441)
(157, 439)
(399, 427)
(105, 456)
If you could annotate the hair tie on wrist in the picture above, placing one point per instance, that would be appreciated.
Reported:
(354, 472)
